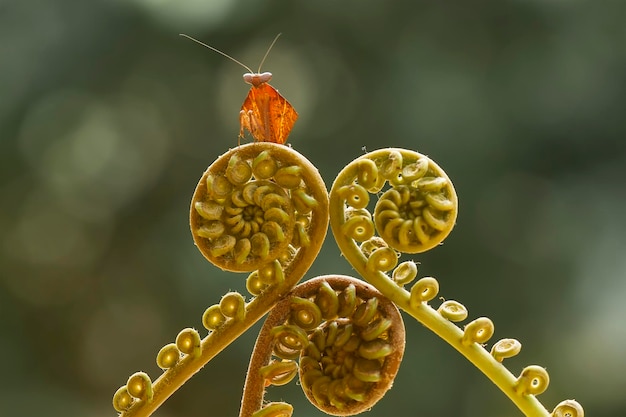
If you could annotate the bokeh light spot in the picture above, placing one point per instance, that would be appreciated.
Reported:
(96, 155)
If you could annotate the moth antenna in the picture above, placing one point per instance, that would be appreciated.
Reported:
(268, 51)
(222, 53)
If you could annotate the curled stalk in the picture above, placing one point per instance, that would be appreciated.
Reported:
(260, 208)
(415, 211)
(348, 340)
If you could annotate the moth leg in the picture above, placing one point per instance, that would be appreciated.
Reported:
(244, 121)
(256, 127)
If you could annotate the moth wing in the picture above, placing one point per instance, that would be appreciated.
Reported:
(267, 115)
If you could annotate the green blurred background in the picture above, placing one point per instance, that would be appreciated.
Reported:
(108, 119)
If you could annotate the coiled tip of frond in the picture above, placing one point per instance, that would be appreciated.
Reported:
(349, 340)
(138, 387)
(405, 273)
(168, 356)
(279, 372)
(453, 311)
(532, 381)
(505, 348)
(252, 204)
(353, 356)
(275, 409)
(414, 215)
(188, 342)
(423, 291)
(289, 340)
(213, 317)
(568, 408)
(233, 305)
(122, 400)
(478, 331)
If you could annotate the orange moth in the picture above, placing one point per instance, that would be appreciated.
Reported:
(267, 115)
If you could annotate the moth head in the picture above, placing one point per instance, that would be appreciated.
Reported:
(257, 79)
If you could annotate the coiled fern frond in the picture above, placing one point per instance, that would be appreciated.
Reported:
(263, 209)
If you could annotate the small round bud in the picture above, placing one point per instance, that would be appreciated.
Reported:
(168, 356)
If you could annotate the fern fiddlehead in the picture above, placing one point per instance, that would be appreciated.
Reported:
(415, 213)
(349, 340)
(263, 209)
(260, 208)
